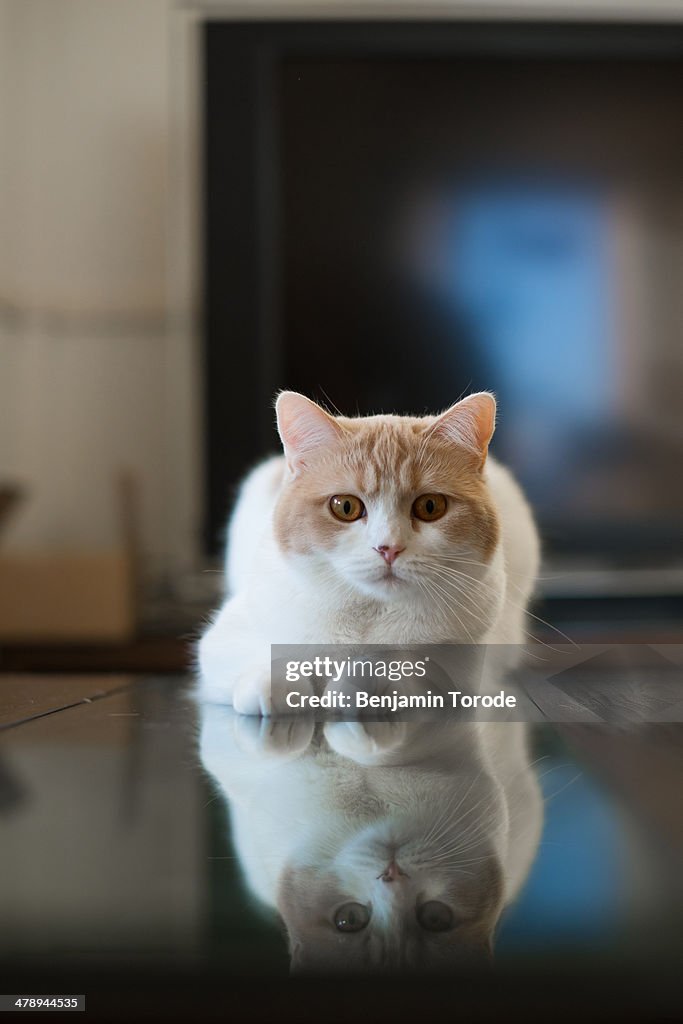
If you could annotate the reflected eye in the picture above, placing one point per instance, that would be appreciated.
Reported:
(435, 916)
(346, 507)
(429, 507)
(352, 917)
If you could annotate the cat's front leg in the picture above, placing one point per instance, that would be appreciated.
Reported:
(234, 663)
(235, 666)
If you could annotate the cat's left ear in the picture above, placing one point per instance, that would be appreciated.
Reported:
(304, 428)
(470, 424)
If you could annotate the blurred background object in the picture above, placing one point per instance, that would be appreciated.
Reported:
(202, 203)
(10, 497)
(472, 206)
(83, 317)
(63, 595)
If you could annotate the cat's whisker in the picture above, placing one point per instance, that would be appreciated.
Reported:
(471, 829)
(480, 607)
(444, 821)
(508, 570)
(476, 613)
(537, 618)
(471, 840)
(460, 587)
(449, 606)
(449, 813)
(434, 595)
(452, 857)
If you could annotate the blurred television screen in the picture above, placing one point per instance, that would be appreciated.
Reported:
(447, 220)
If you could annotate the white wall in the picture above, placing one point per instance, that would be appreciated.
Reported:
(84, 126)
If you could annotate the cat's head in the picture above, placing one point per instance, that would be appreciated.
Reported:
(385, 504)
(418, 893)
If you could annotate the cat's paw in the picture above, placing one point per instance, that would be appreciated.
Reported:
(248, 691)
(272, 738)
(252, 694)
(367, 743)
(255, 693)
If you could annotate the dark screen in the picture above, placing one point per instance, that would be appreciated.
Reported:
(434, 225)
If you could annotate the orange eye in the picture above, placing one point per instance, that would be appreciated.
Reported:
(346, 507)
(429, 507)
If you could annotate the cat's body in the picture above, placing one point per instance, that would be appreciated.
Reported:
(317, 818)
(296, 574)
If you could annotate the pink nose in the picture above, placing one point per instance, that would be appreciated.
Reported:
(389, 553)
(392, 873)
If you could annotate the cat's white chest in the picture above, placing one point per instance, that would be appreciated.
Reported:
(367, 623)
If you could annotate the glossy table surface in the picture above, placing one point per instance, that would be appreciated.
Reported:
(120, 878)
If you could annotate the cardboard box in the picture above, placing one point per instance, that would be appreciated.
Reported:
(67, 597)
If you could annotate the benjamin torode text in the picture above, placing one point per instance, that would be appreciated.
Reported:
(396, 701)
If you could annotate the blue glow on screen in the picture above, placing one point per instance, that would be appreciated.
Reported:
(577, 888)
(529, 276)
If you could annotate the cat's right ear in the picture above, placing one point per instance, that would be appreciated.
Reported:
(470, 423)
(304, 428)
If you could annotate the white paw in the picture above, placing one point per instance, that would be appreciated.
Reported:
(366, 743)
(252, 694)
(248, 691)
(272, 738)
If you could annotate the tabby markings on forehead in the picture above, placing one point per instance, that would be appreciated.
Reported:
(384, 454)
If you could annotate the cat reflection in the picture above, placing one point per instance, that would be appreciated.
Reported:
(384, 846)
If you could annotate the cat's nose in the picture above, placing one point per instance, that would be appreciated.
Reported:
(389, 552)
(392, 873)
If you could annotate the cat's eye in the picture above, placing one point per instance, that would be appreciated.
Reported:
(351, 917)
(435, 916)
(429, 507)
(346, 507)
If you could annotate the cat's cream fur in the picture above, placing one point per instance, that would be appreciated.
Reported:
(297, 575)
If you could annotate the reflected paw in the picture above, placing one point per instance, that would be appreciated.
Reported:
(271, 738)
(366, 742)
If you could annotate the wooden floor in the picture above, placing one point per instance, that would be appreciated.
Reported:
(155, 654)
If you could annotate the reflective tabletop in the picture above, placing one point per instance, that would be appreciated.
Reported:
(164, 854)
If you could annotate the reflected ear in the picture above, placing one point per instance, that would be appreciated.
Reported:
(469, 423)
(304, 428)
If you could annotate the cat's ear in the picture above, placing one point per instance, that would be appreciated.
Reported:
(469, 423)
(304, 428)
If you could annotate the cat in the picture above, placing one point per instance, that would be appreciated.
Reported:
(379, 529)
(383, 846)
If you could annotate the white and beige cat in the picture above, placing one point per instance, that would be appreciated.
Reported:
(381, 529)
